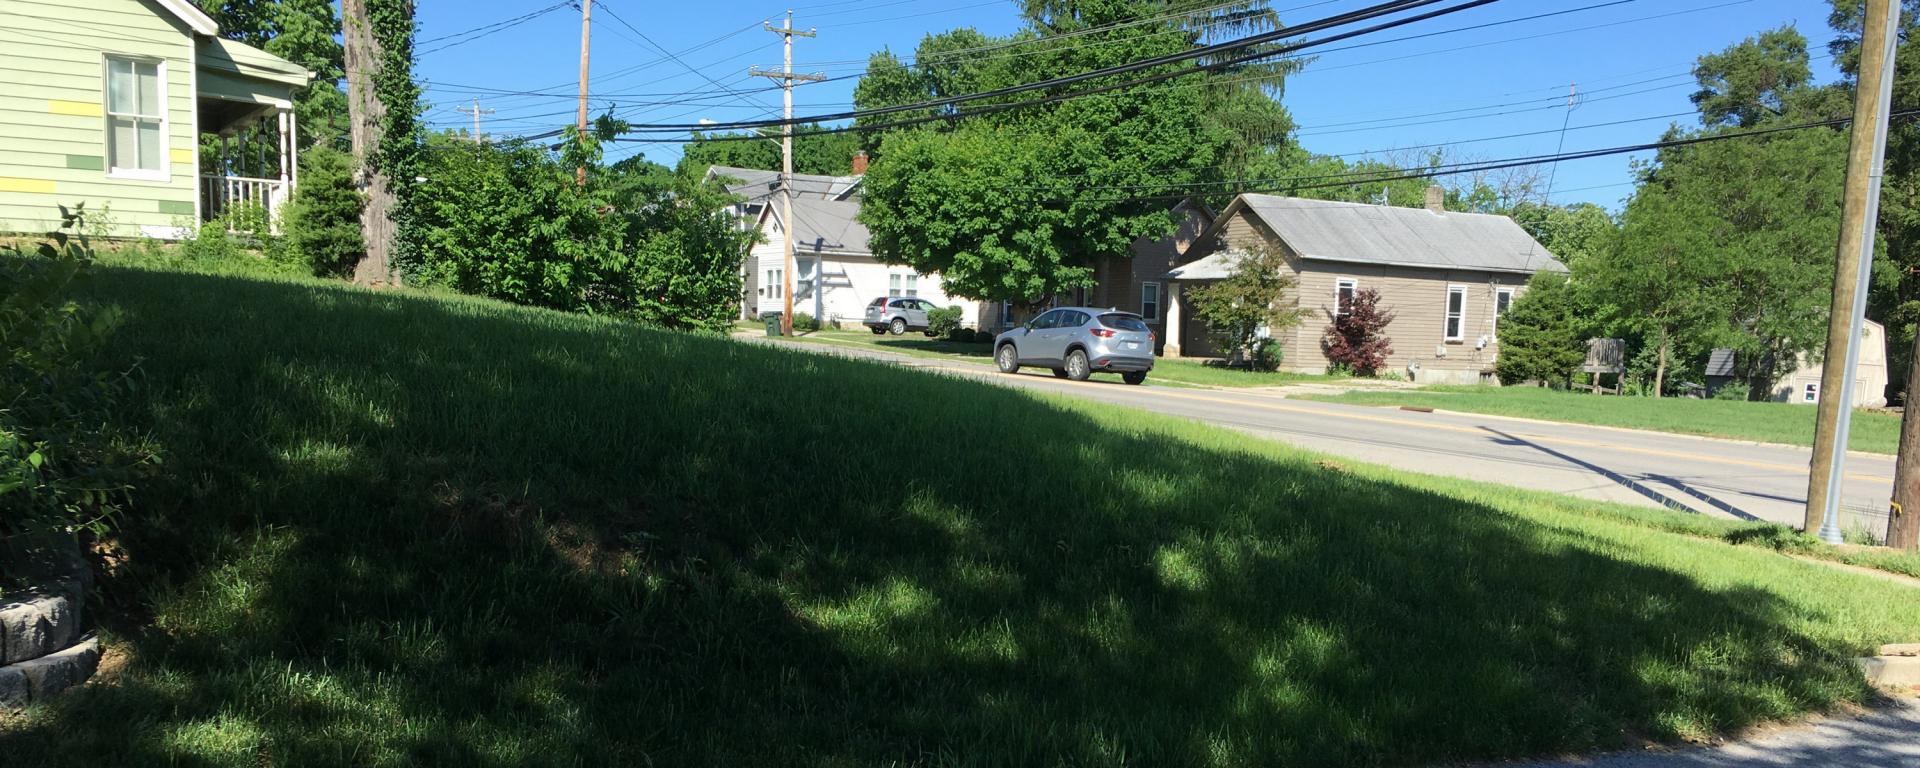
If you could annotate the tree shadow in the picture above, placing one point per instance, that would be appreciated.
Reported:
(397, 531)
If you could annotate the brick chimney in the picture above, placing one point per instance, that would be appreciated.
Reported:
(860, 163)
(1437, 199)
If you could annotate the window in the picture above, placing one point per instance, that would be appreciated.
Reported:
(776, 285)
(1456, 312)
(1502, 301)
(903, 285)
(1049, 320)
(913, 285)
(1811, 394)
(1006, 313)
(1150, 301)
(136, 118)
(1343, 291)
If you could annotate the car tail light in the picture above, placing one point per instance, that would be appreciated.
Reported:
(1103, 333)
(1152, 337)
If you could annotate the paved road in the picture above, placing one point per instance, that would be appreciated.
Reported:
(1884, 738)
(1722, 478)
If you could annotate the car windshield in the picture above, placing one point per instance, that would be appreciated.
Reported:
(1124, 322)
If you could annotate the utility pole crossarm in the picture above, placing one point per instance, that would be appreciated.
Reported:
(787, 79)
(796, 77)
(476, 111)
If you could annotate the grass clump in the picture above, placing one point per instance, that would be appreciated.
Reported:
(1766, 422)
(420, 530)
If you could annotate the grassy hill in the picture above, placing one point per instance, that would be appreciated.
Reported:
(396, 529)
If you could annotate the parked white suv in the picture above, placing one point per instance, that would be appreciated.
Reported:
(898, 315)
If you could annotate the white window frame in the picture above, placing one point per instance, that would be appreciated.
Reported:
(1159, 297)
(1339, 283)
(1448, 330)
(913, 285)
(1511, 293)
(165, 171)
(1810, 393)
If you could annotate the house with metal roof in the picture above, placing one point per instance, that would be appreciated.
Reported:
(835, 271)
(1447, 277)
(105, 102)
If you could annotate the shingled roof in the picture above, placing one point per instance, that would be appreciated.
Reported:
(826, 226)
(1407, 237)
(757, 186)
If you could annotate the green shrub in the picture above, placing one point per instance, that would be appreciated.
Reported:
(944, 322)
(322, 224)
(1732, 390)
(803, 321)
(63, 466)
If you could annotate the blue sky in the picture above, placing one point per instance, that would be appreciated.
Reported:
(1630, 62)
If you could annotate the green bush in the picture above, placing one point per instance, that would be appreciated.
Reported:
(63, 466)
(1540, 336)
(1732, 390)
(945, 322)
(803, 321)
(322, 224)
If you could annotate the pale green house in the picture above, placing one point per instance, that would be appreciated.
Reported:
(104, 101)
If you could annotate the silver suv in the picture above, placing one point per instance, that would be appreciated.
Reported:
(898, 315)
(1077, 342)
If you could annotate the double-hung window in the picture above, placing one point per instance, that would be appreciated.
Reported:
(1456, 313)
(1343, 290)
(136, 118)
(903, 285)
(1502, 301)
(1150, 301)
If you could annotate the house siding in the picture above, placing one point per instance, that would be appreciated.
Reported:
(851, 282)
(1120, 281)
(53, 139)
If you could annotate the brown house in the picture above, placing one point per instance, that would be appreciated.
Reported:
(1446, 276)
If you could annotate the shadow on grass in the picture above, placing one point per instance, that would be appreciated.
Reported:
(416, 532)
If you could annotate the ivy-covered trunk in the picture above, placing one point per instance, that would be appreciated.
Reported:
(381, 101)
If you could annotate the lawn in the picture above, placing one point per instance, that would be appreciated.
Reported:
(404, 530)
(1190, 372)
(1785, 423)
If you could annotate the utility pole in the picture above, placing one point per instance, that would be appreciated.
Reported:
(586, 34)
(787, 78)
(476, 111)
(1866, 154)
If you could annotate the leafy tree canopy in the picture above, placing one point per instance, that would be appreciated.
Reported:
(826, 154)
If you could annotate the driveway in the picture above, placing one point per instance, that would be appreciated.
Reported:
(1722, 478)
(1882, 738)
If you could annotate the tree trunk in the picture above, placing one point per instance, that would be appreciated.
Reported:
(1660, 370)
(1903, 528)
(366, 117)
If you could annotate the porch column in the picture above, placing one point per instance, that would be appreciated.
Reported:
(1173, 318)
(293, 152)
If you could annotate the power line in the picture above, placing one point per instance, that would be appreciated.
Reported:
(669, 54)
(476, 33)
(1371, 12)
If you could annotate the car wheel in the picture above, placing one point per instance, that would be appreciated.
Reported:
(878, 330)
(1134, 377)
(1078, 369)
(1059, 373)
(1007, 358)
(899, 326)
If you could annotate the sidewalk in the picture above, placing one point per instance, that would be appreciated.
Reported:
(1886, 737)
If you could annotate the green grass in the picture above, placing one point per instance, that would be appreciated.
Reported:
(1165, 370)
(405, 530)
(1784, 423)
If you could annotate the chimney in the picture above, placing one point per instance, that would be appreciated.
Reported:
(860, 163)
(1437, 199)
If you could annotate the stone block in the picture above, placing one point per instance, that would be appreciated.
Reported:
(1891, 671)
(57, 672)
(36, 625)
(14, 691)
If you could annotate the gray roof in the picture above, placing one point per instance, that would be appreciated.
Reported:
(1409, 237)
(1720, 362)
(758, 185)
(827, 226)
(1215, 266)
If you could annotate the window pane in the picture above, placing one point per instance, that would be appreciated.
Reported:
(148, 75)
(150, 145)
(122, 144)
(1456, 300)
(1453, 327)
(121, 91)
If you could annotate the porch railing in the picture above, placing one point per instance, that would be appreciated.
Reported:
(221, 194)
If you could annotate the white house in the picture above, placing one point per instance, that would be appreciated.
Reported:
(1869, 378)
(830, 250)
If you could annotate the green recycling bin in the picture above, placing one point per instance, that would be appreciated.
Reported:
(772, 320)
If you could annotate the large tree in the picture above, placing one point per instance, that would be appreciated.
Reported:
(384, 107)
(1019, 204)
(305, 32)
(826, 154)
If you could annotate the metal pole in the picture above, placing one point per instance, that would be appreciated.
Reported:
(1866, 157)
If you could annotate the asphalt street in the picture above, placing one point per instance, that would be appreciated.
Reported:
(1722, 478)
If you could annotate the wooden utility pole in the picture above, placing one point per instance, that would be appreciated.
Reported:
(1866, 154)
(787, 78)
(476, 111)
(586, 36)
(366, 128)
